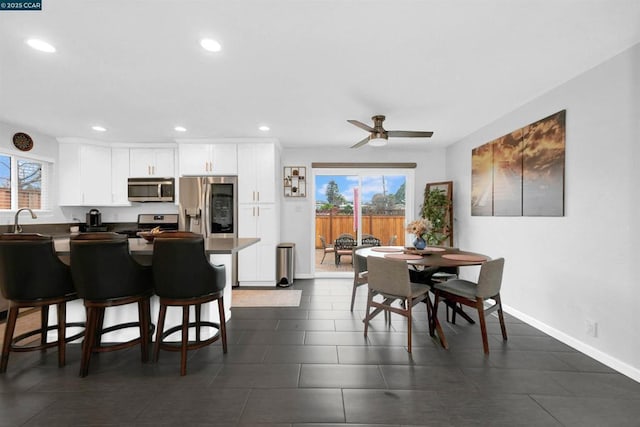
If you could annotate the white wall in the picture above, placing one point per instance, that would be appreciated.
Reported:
(561, 273)
(297, 213)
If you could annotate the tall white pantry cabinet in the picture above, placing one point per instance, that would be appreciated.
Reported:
(258, 212)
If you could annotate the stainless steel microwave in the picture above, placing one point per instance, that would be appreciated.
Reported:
(151, 189)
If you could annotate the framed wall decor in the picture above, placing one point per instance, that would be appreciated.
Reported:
(521, 173)
(295, 181)
(22, 141)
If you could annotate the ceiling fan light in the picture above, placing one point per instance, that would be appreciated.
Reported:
(378, 140)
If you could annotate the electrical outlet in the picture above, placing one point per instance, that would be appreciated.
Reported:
(592, 328)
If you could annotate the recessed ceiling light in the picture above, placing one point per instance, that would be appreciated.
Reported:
(41, 45)
(211, 45)
(99, 128)
(264, 128)
(180, 129)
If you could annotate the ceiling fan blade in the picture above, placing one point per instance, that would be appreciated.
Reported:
(361, 143)
(361, 125)
(408, 134)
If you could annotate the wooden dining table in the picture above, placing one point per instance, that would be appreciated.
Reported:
(431, 256)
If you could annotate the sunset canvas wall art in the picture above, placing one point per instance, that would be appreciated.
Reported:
(521, 173)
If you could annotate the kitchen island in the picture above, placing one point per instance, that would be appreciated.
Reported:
(220, 252)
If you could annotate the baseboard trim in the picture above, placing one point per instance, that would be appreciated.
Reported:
(620, 366)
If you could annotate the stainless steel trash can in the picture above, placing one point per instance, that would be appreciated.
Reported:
(285, 268)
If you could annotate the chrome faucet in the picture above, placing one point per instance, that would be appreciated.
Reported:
(16, 227)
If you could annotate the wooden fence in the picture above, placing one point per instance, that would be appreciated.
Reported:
(383, 227)
(26, 199)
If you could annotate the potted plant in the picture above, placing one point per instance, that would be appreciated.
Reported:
(435, 209)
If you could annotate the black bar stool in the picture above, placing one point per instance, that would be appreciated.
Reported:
(184, 277)
(32, 276)
(105, 275)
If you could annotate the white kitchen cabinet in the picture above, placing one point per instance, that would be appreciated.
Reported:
(119, 176)
(258, 212)
(257, 263)
(84, 175)
(151, 162)
(257, 173)
(208, 159)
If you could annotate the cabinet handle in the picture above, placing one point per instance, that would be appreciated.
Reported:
(153, 169)
(258, 211)
(258, 198)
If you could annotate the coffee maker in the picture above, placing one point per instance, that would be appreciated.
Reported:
(94, 221)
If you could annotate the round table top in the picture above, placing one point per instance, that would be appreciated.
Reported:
(431, 256)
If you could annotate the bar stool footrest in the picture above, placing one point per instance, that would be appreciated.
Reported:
(15, 346)
(121, 345)
(192, 345)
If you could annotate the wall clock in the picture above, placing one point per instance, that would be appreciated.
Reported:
(22, 141)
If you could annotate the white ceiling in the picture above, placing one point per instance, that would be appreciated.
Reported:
(303, 67)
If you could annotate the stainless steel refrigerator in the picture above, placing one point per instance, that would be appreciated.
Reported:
(209, 206)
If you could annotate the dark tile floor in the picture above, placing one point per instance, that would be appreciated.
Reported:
(312, 366)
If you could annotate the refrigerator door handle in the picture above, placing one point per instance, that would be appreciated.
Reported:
(206, 199)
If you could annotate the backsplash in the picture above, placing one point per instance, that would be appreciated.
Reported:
(64, 229)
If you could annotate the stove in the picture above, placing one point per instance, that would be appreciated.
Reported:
(146, 222)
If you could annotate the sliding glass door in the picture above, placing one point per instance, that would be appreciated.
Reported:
(368, 205)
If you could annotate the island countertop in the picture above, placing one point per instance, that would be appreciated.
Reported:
(139, 246)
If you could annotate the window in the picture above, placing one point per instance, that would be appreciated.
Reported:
(5, 182)
(365, 202)
(23, 183)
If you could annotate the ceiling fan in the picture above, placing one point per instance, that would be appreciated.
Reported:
(378, 135)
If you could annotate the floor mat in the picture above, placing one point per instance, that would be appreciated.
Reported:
(266, 298)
